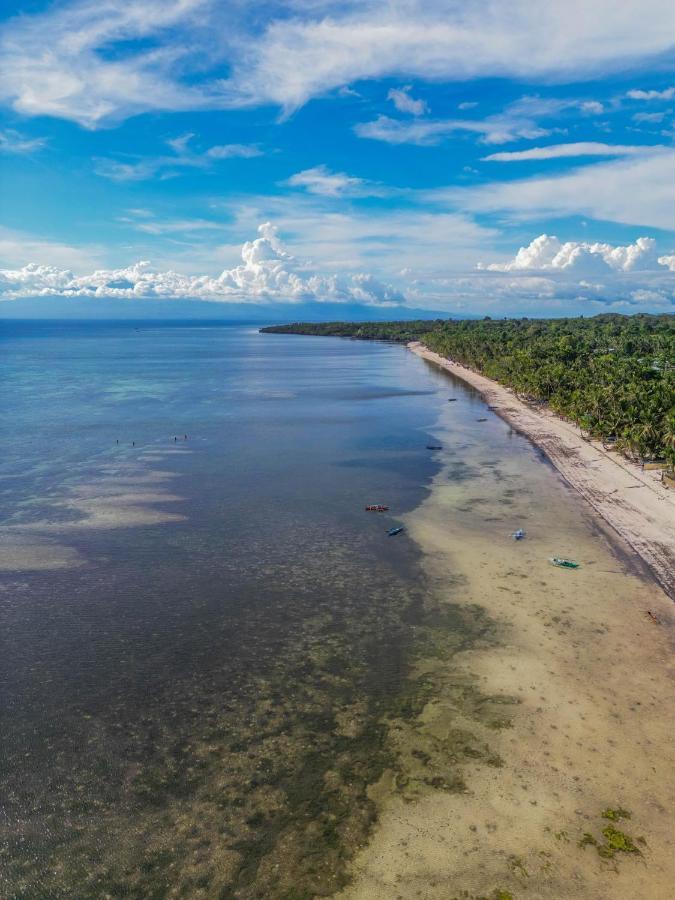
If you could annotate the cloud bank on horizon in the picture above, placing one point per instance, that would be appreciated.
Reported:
(268, 273)
(407, 150)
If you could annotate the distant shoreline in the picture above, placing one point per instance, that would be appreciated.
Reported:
(635, 503)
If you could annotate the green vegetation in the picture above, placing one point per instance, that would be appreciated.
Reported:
(615, 814)
(616, 842)
(613, 841)
(612, 375)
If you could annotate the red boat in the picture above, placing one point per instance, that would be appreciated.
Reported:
(376, 507)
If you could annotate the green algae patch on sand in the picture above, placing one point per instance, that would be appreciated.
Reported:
(612, 840)
(615, 842)
(615, 814)
(443, 722)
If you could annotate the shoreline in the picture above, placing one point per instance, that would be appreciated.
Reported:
(550, 735)
(633, 502)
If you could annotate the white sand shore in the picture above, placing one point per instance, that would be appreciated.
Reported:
(635, 503)
(533, 739)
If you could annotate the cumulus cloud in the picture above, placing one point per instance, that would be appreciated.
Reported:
(594, 107)
(667, 94)
(611, 276)
(561, 151)
(547, 253)
(403, 102)
(526, 293)
(268, 272)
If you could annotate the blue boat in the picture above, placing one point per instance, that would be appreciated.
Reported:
(518, 535)
(393, 531)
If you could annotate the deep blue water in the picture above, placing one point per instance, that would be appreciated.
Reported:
(274, 590)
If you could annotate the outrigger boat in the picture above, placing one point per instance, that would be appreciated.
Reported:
(376, 507)
(434, 447)
(563, 563)
(452, 399)
(393, 531)
(518, 535)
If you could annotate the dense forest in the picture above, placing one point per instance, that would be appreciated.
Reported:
(612, 375)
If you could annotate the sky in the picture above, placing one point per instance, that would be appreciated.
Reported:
(468, 158)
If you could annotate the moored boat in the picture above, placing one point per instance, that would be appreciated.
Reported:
(393, 531)
(376, 507)
(564, 563)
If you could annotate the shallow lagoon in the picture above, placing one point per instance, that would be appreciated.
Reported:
(201, 636)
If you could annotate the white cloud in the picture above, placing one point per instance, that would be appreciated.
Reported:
(638, 191)
(320, 180)
(380, 239)
(405, 103)
(268, 273)
(560, 151)
(667, 94)
(427, 132)
(547, 253)
(96, 62)
(15, 143)
(232, 151)
(519, 120)
(467, 104)
(654, 118)
(668, 261)
(182, 226)
(308, 54)
(346, 91)
(18, 248)
(168, 166)
(592, 106)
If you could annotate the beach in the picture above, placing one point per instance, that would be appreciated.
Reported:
(540, 764)
(634, 502)
(223, 678)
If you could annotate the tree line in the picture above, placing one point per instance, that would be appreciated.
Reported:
(613, 375)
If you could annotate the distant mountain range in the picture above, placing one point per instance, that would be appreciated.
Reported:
(264, 313)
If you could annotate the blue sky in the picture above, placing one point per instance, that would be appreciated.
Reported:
(480, 158)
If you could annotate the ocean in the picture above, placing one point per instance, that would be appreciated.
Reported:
(202, 629)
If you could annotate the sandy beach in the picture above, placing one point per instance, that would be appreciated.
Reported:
(634, 502)
(540, 764)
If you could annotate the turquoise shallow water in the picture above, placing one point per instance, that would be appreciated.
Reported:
(199, 668)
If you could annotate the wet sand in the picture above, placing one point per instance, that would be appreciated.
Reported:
(635, 503)
(564, 712)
